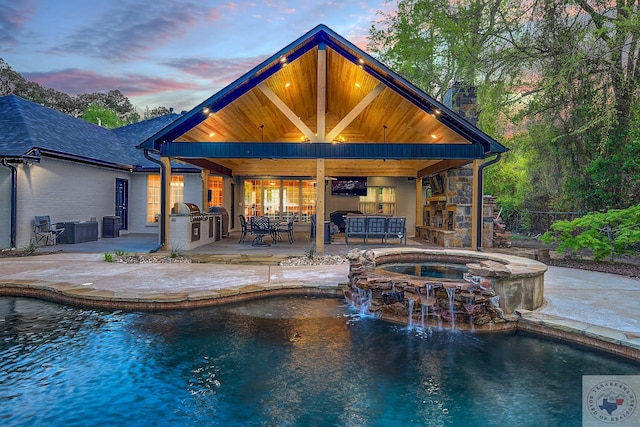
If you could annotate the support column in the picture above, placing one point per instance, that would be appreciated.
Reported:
(476, 204)
(166, 161)
(320, 200)
(205, 173)
(419, 206)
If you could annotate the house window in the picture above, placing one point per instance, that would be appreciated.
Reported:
(379, 200)
(215, 191)
(290, 199)
(280, 199)
(153, 194)
(308, 207)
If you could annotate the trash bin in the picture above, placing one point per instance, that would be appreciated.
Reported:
(110, 226)
(327, 230)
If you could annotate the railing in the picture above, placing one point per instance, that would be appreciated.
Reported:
(535, 222)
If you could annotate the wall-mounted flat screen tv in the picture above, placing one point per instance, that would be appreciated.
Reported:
(349, 186)
(437, 186)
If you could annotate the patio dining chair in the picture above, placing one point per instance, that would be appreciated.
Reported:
(244, 229)
(260, 227)
(290, 234)
(44, 233)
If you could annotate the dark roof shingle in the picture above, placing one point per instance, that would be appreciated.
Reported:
(25, 125)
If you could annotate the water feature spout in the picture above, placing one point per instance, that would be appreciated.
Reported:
(410, 308)
(451, 293)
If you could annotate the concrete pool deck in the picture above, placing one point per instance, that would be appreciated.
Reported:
(596, 309)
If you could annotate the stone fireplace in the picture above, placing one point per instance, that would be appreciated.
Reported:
(447, 218)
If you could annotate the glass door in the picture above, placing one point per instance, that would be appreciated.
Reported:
(271, 199)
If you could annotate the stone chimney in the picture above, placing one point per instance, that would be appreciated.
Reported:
(461, 98)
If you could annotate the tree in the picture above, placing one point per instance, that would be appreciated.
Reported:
(586, 56)
(12, 82)
(99, 115)
(565, 71)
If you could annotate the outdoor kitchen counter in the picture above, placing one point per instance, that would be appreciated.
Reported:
(188, 232)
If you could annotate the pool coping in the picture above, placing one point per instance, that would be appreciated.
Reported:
(619, 343)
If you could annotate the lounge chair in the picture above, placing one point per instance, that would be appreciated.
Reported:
(44, 233)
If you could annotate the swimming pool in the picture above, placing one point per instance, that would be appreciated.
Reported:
(278, 361)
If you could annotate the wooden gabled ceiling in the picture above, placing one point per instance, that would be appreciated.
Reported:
(255, 117)
(358, 109)
(321, 89)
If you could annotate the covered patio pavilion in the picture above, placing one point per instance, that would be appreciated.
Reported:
(317, 109)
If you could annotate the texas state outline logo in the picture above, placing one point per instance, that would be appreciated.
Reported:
(610, 400)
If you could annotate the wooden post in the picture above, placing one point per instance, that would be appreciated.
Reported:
(419, 202)
(476, 207)
(205, 174)
(167, 202)
(320, 195)
(322, 92)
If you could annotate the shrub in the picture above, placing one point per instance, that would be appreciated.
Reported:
(615, 232)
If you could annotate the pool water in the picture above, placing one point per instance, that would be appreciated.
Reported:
(278, 362)
(436, 270)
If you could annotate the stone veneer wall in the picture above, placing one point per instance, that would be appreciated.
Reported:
(458, 192)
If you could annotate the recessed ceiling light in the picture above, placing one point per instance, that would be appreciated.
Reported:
(287, 84)
(357, 84)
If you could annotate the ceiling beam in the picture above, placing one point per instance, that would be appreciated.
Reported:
(440, 166)
(279, 103)
(321, 109)
(351, 115)
(208, 165)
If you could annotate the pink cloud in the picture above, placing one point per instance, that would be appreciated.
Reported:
(13, 17)
(220, 72)
(74, 82)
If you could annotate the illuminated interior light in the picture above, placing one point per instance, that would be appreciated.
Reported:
(434, 136)
(212, 134)
(357, 84)
(287, 84)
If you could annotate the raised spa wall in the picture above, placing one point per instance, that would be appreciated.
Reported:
(495, 286)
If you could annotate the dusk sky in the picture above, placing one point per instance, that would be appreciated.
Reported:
(167, 53)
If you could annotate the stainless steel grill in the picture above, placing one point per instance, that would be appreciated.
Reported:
(189, 209)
